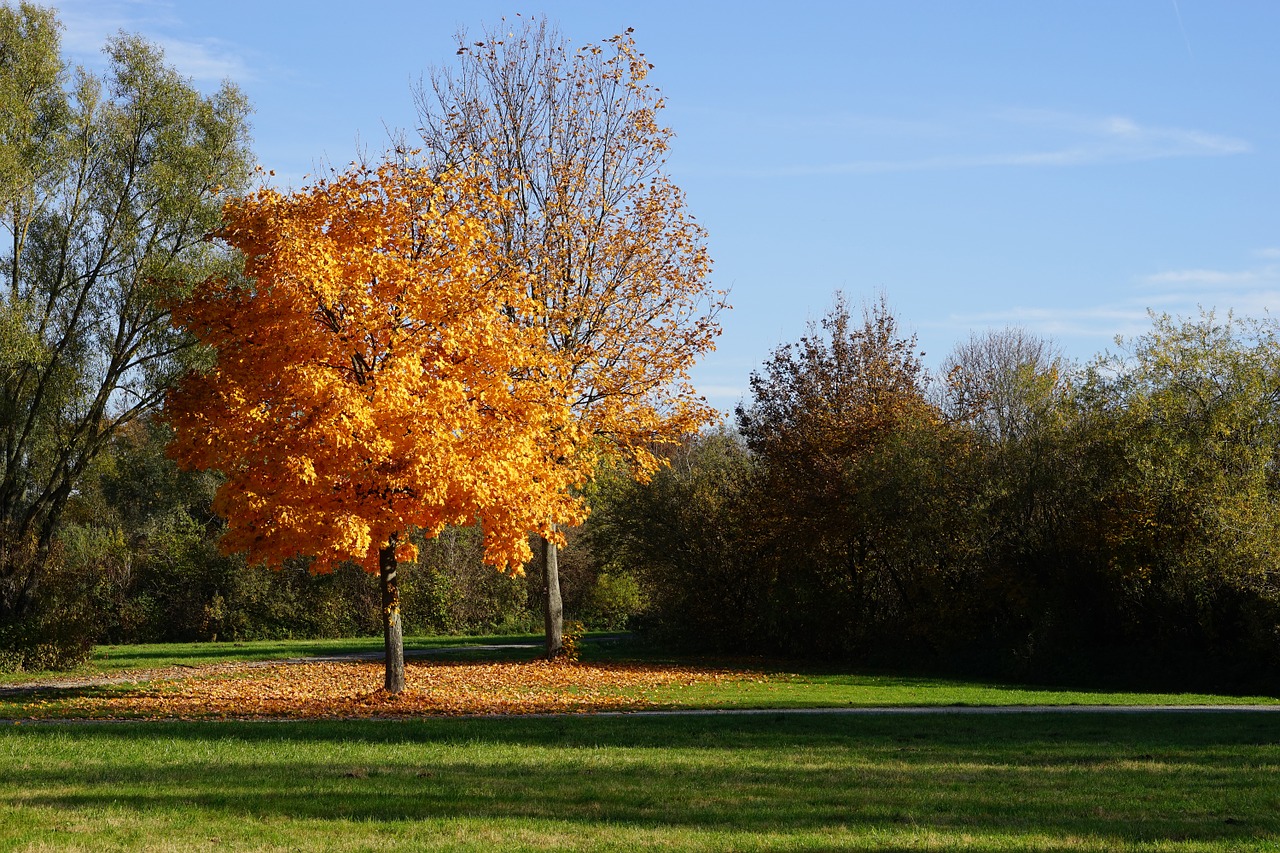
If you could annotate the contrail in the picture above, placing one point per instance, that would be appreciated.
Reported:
(1178, 14)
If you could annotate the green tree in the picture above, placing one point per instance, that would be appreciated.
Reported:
(688, 536)
(1031, 483)
(108, 185)
(1190, 521)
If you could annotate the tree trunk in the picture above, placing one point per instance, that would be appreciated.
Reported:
(392, 631)
(551, 598)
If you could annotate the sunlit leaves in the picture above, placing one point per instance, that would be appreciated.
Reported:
(617, 268)
(370, 376)
(344, 690)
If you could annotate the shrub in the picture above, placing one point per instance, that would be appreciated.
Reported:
(613, 599)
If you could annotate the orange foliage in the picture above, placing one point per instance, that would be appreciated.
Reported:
(616, 266)
(370, 377)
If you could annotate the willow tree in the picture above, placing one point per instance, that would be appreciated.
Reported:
(615, 263)
(369, 379)
(108, 185)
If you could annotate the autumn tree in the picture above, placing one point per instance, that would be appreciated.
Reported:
(108, 184)
(369, 379)
(854, 481)
(617, 268)
(834, 396)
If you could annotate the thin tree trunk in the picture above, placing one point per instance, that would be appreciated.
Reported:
(392, 631)
(551, 598)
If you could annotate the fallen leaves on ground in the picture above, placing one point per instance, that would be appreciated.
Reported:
(315, 690)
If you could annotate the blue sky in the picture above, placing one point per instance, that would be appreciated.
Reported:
(1062, 165)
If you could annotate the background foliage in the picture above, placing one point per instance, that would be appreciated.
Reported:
(1013, 514)
(1017, 515)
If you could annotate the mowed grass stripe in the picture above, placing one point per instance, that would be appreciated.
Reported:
(780, 781)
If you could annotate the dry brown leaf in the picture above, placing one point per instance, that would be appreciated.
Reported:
(353, 689)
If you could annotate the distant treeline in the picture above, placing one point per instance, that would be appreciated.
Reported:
(1014, 515)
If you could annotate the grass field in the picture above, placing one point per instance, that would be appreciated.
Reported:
(1183, 781)
(772, 684)
(773, 782)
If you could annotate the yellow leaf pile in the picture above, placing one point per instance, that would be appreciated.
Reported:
(353, 690)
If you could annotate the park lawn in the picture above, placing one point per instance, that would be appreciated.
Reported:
(778, 688)
(1183, 782)
(459, 675)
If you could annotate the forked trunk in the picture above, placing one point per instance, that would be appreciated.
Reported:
(551, 598)
(392, 632)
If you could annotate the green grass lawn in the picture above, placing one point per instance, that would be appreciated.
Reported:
(1181, 782)
(809, 690)
(1191, 781)
(778, 685)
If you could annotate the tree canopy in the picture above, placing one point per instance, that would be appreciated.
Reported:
(615, 264)
(108, 185)
(370, 377)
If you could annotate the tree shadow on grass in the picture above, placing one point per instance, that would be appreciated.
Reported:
(1129, 780)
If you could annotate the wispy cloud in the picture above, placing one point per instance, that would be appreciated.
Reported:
(207, 60)
(1123, 136)
(88, 25)
(1101, 322)
(1008, 139)
(1250, 291)
(1264, 275)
